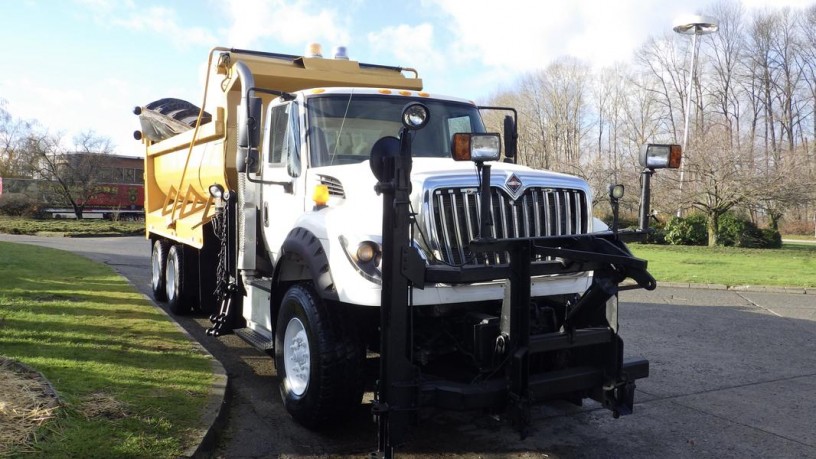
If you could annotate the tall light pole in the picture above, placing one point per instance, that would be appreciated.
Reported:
(693, 25)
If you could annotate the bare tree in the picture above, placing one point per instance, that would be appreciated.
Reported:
(727, 48)
(76, 174)
(565, 93)
(13, 133)
(722, 178)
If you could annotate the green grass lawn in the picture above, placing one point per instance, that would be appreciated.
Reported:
(132, 384)
(69, 227)
(793, 265)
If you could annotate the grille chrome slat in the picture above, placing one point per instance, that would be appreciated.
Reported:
(458, 228)
(537, 211)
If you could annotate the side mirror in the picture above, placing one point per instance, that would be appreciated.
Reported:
(249, 130)
(510, 137)
(656, 156)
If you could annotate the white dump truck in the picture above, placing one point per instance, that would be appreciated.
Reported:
(331, 212)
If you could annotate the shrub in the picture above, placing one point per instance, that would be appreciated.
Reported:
(738, 231)
(690, 230)
(732, 230)
(772, 238)
(18, 205)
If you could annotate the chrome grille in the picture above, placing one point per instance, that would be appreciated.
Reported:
(539, 211)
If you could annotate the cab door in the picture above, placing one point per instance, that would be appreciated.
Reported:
(283, 184)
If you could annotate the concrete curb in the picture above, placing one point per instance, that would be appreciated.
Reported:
(741, 288)
(215, 414)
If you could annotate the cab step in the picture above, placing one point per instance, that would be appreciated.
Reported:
(257, 340)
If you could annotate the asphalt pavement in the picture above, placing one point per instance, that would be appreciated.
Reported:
(733, 374)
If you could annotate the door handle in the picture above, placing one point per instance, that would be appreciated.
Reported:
(266, 214)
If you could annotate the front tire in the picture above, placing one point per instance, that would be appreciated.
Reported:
(319, 359)
(158, 264)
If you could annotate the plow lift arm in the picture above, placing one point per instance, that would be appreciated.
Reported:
(401, 389)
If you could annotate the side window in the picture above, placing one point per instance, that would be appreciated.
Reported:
(284, 138)
(277, 134)
(457, 125)
(292, 144)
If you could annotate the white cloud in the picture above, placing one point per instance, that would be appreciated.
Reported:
(162, 21)
(409, 45)
(522, 35)
(296, 23)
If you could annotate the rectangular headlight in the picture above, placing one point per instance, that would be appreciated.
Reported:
(655, 156)
(476, 147)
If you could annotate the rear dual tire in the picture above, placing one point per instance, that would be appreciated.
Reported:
(172, 276)
(158, 265)
(176, 283)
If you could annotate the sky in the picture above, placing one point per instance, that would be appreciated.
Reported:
(79, 65)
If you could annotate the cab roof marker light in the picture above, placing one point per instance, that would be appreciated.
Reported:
(405, 93)
(318, 91)
(314, 50)
(341, 53)
(424, 94)
(384, 91)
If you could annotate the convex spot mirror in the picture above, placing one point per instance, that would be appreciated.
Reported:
(385, 147)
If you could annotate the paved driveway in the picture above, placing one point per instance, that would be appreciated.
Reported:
(733, 374)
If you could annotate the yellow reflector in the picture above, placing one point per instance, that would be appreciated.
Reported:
(675, 156)
(424, 94)
(405, 93)
(320, 195)
(385, 91)
(318, 91)
(460, 147)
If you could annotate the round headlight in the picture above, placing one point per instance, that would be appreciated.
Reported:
(415, 115)
(366, 252)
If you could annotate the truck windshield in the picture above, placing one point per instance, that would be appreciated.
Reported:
(344, 127)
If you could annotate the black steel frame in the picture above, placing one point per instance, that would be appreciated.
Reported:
(401, 389)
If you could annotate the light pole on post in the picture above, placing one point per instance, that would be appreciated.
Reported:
(693, 25)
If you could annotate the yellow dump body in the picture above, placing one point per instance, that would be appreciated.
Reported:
(179, 170)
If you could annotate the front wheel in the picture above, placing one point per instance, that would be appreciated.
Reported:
(319, 359)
